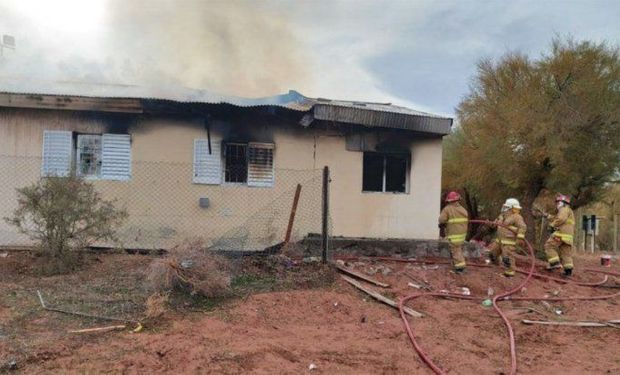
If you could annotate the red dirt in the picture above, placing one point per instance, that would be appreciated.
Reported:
(342, 331)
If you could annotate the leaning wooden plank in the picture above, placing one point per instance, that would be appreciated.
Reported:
(572, 324)
(380, 297)
(99, 329)
(360, 276)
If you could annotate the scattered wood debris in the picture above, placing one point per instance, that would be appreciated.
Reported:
(381, 297)
(99, 329)
(574, 324)
(360, 276)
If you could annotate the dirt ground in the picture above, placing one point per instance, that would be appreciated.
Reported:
(287, 317)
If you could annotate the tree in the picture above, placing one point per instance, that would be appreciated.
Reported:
(529, 126)
(65, 215)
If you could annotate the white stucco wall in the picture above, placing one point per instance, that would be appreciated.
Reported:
(162, 152)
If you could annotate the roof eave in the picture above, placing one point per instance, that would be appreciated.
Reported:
(382, 119)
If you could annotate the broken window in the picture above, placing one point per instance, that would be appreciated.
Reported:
(236, 163)
(385, 172)
(88, 155)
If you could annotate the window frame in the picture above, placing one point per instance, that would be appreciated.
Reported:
(224, 157)
(384, 155)
(114, 155)
(78, 154)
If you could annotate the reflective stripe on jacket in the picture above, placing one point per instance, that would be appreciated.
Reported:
(456, 218)
(564, 222)
(514, 223)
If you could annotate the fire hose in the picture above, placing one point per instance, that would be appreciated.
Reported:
(500, 297)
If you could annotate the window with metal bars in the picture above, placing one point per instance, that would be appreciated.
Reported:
(88, 155)
(236, 163)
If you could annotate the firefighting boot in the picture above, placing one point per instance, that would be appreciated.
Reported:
(553, 265)
(568, 272)
(506, 262)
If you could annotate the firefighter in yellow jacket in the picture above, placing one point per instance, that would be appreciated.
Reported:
(510, 233)
(495, 251)
(559, 246)
(454, 218)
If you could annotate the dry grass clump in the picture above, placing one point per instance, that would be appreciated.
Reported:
(156, 306)
(191, 267)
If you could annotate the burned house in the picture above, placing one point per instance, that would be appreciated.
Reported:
(188, 163)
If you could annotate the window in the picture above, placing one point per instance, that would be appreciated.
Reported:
(102, 156)
(260, 164)
(236, 164)
(244, 163)
(88, 154)
(387, 173)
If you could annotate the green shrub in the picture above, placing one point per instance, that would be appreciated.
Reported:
(65, 215)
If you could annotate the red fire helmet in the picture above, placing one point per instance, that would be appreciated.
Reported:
(562, 198)
(453, 196)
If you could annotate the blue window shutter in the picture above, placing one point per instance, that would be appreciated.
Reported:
(116, 157)
(57, 153)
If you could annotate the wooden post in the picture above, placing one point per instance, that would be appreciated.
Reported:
(615, 231)
(543, 228)
(291, 218)
(325, 214)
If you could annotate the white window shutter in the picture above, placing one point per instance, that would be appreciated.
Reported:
(57, 151)
(260, 164)
(116, 157)
(207, 166)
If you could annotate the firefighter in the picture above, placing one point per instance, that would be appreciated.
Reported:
(454, 219)
(559, 246)
(495, 251)
(509, 235)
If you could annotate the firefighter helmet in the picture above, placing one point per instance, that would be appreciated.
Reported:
(453, 196)
(562, 198)
(512, 203)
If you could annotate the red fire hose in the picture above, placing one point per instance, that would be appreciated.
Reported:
(501, 297)
(602, 271)
(566, 281)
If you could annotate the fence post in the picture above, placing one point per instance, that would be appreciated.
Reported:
(325, 214)
(291, 219)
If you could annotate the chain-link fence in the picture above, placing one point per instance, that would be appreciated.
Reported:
(166, 207)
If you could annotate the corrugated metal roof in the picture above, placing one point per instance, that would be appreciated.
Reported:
(369, 114)
(292, 100)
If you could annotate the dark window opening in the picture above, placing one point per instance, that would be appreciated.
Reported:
(89, 155)
(373, 172)
(236, 163)
(385, 173)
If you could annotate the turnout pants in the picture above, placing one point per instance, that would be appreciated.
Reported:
(502, 253)
(458, 260)
(558, 250)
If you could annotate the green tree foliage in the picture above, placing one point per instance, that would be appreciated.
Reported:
(65, 215)
(534, 125)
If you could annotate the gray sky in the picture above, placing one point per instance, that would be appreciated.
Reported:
(417, 53)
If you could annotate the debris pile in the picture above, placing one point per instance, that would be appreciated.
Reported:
(192, 268)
